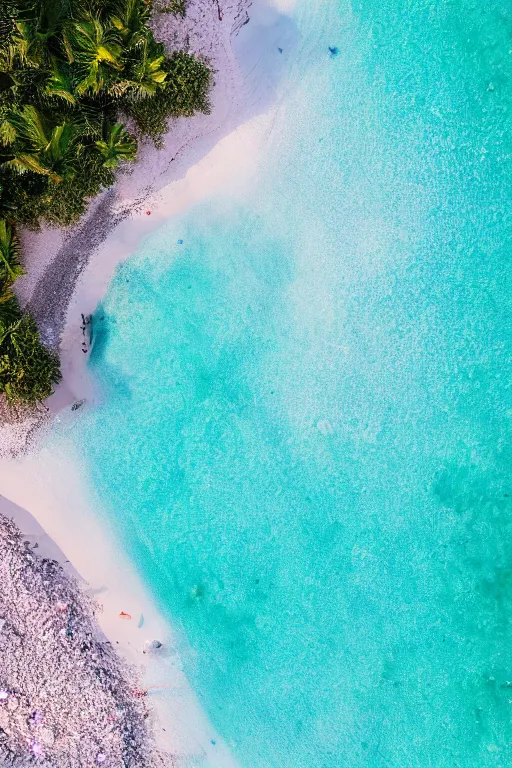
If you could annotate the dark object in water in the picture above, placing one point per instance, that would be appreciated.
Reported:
(280, 50)
(333, 50)
(180, 242)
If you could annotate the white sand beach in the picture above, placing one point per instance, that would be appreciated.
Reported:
(48, 500)
(73, 536)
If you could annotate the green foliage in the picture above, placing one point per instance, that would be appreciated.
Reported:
(69, 70)
(184, 92)
(177, 7)
(118, 145)
(28, 370)
(10, 266)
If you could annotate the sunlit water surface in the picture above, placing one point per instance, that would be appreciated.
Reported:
(305, 440)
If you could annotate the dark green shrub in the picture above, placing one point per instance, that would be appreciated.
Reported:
(184, 92)
(28, 370)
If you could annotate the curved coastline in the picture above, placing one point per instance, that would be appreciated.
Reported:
(68, 271)
(336, 389)
(55, 509)
(63, 523)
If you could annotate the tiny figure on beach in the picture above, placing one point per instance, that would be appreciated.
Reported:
(86, 321)
(152, 645)
(124, 615)
(148, 213)
(333, 50)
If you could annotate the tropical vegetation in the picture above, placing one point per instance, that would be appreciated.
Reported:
(80, 82)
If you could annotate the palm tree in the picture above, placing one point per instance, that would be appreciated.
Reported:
(30, 45)
(60, 83)
(131, 22)
(26, 126)
(10, 266)
(147, 75)
(62, 152)
(96, 51)
(34, 29)
(35, 148)
(118, 145)
(7, 130)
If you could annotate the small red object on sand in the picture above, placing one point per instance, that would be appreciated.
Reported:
(124, 615)
(138, 692)
(148, 213)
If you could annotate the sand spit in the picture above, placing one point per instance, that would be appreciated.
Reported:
(66, 698)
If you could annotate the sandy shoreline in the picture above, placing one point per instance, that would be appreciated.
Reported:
(87, 550)
(67, 698)
(69, 273)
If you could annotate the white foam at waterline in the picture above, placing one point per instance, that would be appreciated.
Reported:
(50, 482)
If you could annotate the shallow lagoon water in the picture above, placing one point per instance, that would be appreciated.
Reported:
(305, 437)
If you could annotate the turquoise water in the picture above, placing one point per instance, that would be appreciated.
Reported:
(305, 437)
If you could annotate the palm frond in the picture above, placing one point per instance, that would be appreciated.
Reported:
(7, 133)
(10, 265)
(29, 126)
(118, 145)
(59, 84)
